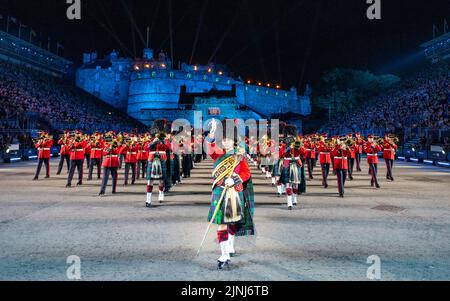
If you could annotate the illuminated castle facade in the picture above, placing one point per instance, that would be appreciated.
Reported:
(150, 88)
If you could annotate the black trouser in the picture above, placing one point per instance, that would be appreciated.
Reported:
(106, 172)
(168, 176)
(187, 163)
(389, 166)
(302, 185)
(93, 162)
(141, 165)
(358, 161)
(351, 164)
(176, 169)
(61, 163)
(127, 172)
(374, 173)
(45, 161)
(325, 173)
(121, 157)
(87, 158)
(341, 177)
(310, 167)
(78, 164)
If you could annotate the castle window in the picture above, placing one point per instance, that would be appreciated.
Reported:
(257, 90)
(189, 75)
(171, 74)
(217, 79)
(267, 92)
(228, 82)
(205, 77)
(285, 94)
(153, 74)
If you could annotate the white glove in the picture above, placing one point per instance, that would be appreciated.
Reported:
(229, 182)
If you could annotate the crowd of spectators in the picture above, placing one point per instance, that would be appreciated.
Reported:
(420, 101)
(26, 92)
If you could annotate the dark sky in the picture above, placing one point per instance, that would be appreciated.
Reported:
(291, 42)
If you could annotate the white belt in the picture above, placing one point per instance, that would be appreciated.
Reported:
(308, 149)
(131, 153)
(45, 149)
(79, 150)
(292, 159)
(112, 156)
(322, 153)
(161, 152)
(372, 154)
(96, 149)
(345, 158)
(142, 151)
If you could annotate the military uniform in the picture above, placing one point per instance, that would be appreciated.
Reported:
(44, 148)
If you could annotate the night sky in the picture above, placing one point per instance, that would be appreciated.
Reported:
(272, 41)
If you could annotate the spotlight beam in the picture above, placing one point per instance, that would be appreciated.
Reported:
(199, 26)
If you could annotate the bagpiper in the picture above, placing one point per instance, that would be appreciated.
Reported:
(156, 168)
(291, 166)
(232, 194)
(43, 145)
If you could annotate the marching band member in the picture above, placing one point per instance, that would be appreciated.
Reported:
(231, 203)
(87, 151)
(142, 156)
(352, 156)
(389, 149)
(360, 144)
(130, 149)
(96, 146)
(76, 159)
(310, 156)
(372, 148)
(43, 146)
(156, 168)
(324, 159)
(111, 153)
(64, 142)
(291, 167)
(340, 158)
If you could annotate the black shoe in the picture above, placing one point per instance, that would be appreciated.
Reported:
(47, 177)
(351, 178)
(290, 208)
(114, 192)
(232, 254)
(79, 183)
(148, 205)
(326, 186)
(341, 195)
(392, 179)
(35, 178)
(101, 194)
(221, 265)
(378, 186)
(68, 185)
(58, 173)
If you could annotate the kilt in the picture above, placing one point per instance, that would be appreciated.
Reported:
(277, 168)
(285, 176)
(163, 171)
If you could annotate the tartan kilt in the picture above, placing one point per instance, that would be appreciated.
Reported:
(163, 170)
(277, 167)
(245, 225)
(285, 177)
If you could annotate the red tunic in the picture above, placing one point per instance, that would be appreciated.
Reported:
(44, 149)
(77, 150)
(324, 154)
(389, 151)
(340, 158)
(65, 149)
(372, 152)
(130, 153)
(111, 157)
(142, 152)
(97, 150)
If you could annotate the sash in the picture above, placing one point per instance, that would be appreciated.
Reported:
(224, 169)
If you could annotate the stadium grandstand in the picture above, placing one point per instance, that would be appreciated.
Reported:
(416, 108)
(37, 93)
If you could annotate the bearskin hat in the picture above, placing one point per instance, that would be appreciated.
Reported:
(290, 130)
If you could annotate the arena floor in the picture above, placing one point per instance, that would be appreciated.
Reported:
(406, 224)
